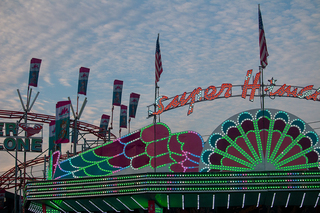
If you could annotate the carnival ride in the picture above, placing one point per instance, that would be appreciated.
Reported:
(7, 179)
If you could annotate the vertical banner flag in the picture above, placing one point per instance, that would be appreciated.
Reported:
(117, 92)
(52, 138)
(104, 124)
(158, 62)
(133, 104)
(62, 121)
(123, 116)
(34, 72)
(83, 80)
(262, 42)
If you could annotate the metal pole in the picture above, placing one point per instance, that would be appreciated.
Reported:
(34, 100)
(129, 125)
(77, 117)
(155, 129)
(21, 186)
(45, 166)
(74, 115)
(262, 103)
(112, 116)
(16, 158)
(15, 182)
(24, 151)
(109, 135)
(75, 136)
(24, 109)
(262, 86)
(82, 107)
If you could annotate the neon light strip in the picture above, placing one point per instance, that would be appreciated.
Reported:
(287, 203)
(110, 206)
(96, 206)
(302, 153)
(166, 189)
(182, 201)
(80, 189)
(70, 207)
(258, 201)
(124, 204)
(139, 204)
(76, 187)
(280, 140)
(182, 175)
(315, 205)
(286, 150)
(273, 198)
(249, 144)
(213, 196)
(58, 207)
(168, 204)
(55, 163)
(302, 201)
(243, 200)
(82, 206)
(228, 201)
(198, 203)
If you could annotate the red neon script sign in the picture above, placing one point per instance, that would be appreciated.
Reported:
(211, 93)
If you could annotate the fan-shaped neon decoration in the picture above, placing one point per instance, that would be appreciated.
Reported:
(139, 151)
(261, 140)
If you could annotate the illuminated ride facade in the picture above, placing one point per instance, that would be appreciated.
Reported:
(255, 158)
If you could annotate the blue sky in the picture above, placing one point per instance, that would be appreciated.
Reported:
(202, 43)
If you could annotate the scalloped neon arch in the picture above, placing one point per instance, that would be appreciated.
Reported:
(261, 140)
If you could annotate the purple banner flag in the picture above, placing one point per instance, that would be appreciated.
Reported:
(123, 116)
(83, 80)
(34, 71)
(117, 92)
(104, 124)
(134, 99)
(158, 62)
(62, 121)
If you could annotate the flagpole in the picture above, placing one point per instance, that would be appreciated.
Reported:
(262, 88)
(129, 125)
(154, 126)
(155, 99)
(155, 90)
(263, 63)
(24, 152)
(158, 89)
(111, 116)
(77, 104)
(158, 71)
(263, 53)
(155, 116)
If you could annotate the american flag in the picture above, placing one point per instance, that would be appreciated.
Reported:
(158, 62)
(262, 43)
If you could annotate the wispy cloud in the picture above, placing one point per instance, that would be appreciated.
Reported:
(202, 43)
